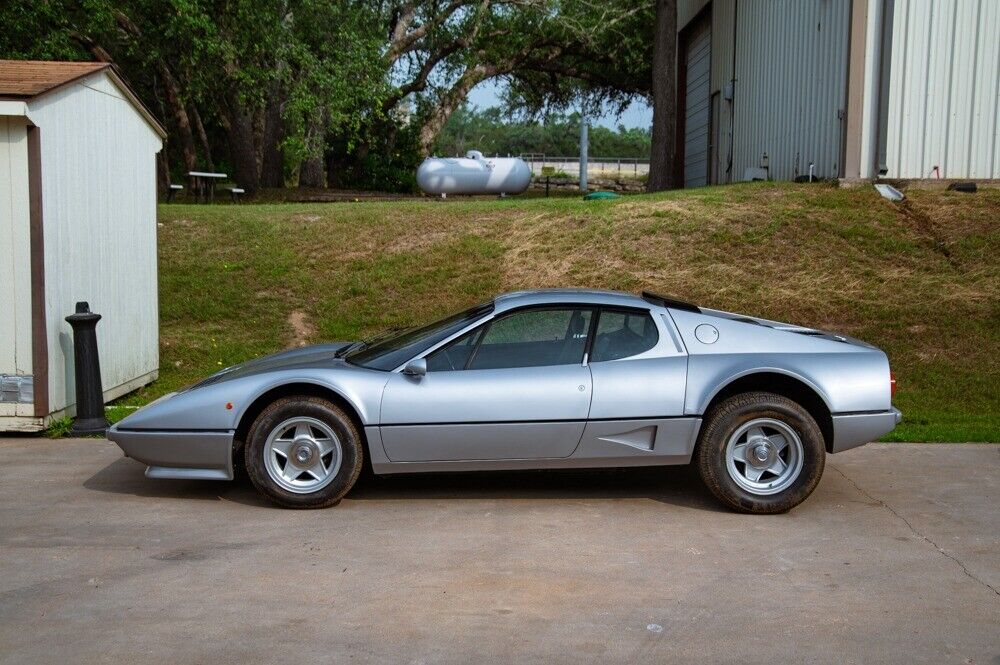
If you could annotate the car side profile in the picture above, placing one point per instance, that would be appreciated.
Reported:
(541, 379)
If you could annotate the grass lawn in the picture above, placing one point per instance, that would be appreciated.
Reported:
(921, 281)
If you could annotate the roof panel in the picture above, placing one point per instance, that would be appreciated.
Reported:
(25, 79)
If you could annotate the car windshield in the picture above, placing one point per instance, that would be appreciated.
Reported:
(388, 351)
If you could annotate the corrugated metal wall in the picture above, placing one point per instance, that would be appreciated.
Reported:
(790, 86)
(98, 160)
(697, 114)
(790, 89)
(944, 92)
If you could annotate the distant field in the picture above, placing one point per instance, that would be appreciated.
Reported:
(922, 282)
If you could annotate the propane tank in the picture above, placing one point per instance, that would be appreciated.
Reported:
(473, 174)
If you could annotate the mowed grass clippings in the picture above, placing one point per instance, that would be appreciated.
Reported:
(922, 280)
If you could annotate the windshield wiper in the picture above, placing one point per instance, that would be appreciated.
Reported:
(365, 343)
(343, 351)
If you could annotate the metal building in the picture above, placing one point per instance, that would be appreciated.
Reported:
(848, 88)
(77, 222)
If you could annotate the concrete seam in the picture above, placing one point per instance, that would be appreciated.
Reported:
(905, 521)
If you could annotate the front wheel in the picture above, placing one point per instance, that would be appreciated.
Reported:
(304, 452)
(761, 453)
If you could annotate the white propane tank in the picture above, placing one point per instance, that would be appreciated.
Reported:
(473, 174)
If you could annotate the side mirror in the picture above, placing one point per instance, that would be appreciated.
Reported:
(417, 367)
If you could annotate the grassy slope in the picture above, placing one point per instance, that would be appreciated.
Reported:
(924, 284)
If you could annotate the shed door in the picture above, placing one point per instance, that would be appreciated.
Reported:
(696, 78)
(15, 269)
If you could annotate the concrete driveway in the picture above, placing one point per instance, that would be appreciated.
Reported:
(895, 558)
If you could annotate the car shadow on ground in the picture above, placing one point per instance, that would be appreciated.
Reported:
(677, 486)
(126, 476)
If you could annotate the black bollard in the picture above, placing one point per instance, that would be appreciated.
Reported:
(89, 392)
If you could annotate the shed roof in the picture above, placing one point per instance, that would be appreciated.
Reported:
(27, 79)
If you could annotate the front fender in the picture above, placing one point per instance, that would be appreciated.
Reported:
(221, 406)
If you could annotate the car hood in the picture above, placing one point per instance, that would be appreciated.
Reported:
(319, 355)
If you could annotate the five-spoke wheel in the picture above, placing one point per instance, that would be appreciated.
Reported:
(759, 452)
(304, 452)
(764, 456)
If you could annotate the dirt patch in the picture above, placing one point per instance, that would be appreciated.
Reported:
(302, 328)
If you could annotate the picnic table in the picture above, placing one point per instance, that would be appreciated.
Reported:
(203, 184)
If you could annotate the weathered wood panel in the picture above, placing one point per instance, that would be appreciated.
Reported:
(99, 202)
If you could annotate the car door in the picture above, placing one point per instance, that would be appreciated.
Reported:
(514, 388)
(639, 370)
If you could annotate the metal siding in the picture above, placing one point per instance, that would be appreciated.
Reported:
(696, 115)
(790, 89)
(870, 86)
(722, 73)
(99, 203)
(944, 91)
(15, 256)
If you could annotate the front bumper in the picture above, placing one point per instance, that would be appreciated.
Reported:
(204, 455)
(851, 430)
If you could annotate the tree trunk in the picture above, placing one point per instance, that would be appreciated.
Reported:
(335, 165)
(162, 174)
(181, 118)
(272, 163)
(312, 173)
(450, 101)
(664, 140)
(242, 152)
(206, 147)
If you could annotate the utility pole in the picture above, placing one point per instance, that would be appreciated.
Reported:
(583, 148)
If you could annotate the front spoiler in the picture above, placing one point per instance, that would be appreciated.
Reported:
(203, 455)
(851, 430)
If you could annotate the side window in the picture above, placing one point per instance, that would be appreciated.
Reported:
(454, 355)
(621, 334)
(534, 338)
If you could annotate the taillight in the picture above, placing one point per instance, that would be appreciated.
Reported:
(892, 383)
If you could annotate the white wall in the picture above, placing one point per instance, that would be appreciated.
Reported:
(944, 92)
(15, 259)
(99, 217)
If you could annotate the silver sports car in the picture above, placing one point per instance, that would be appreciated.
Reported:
(531, 380)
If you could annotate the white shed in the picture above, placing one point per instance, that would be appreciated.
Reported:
(77, 222)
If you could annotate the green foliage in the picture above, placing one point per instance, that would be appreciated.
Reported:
(604, 56)
(244, 85)
(59, 428)
(387, 162)
(557, 134)
(334, 75)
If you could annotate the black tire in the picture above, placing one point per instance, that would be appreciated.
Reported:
(352, 458)
(725, 419)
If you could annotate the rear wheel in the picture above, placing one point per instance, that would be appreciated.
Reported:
(304, 452)
(761, 453)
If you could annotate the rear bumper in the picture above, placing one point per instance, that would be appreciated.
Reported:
(178, 454)
(851, 430)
